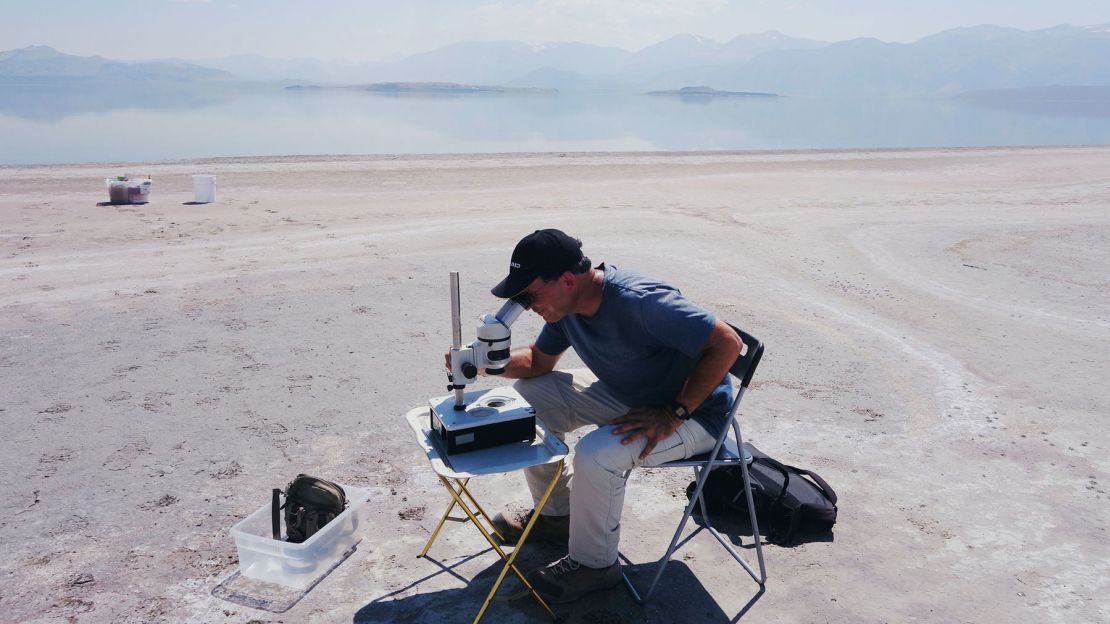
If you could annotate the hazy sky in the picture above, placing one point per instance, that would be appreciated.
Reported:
(372, 29)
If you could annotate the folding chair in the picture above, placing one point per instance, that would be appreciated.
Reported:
(724, 453)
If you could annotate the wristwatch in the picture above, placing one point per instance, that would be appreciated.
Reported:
(679, 411)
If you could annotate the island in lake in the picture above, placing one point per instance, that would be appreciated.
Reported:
(426, 88)
(711, 92)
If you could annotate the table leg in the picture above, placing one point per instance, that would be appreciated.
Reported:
(474, 502)
(462, 488)
(435, 532)
(481, 529)
(520, 543)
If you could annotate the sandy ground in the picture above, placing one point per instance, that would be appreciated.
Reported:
(936, 323)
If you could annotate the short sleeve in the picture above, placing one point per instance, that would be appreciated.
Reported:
(674, 321)
(552, 339)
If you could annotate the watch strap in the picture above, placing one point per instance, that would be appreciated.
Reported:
(679, 410)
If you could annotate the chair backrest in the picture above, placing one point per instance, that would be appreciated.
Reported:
(749, 357)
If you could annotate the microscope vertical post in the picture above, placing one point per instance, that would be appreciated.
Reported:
(456, 329)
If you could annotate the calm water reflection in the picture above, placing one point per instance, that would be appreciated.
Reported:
(60, 125)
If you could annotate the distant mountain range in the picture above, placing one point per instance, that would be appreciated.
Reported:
(553, 65)
(954, 61)
(951, 62)
(39, 63)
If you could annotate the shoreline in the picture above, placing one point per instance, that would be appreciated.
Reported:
(311, 158)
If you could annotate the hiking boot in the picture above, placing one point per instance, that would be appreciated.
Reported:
(551, 529)
(566, 580)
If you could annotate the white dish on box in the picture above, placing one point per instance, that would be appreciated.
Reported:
(264, 558)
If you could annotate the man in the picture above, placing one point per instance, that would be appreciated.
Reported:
(656, 385)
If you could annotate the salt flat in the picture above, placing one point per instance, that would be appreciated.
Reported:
(937, 325)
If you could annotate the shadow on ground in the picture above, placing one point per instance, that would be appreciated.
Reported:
(614, 606)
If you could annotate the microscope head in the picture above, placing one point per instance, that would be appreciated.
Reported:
(494, 335)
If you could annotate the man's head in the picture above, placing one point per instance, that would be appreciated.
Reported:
(546, 266)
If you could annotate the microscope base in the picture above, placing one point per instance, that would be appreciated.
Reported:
(491, 418)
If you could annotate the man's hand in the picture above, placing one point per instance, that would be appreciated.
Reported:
(654, 423)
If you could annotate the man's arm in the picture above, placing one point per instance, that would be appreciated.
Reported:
(720, 353)
(531, 362)
(657, 423)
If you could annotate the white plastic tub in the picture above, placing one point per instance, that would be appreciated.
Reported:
(138, 192)
(263, 558)
(204, 189)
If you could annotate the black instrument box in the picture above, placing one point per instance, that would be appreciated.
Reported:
(491, 418)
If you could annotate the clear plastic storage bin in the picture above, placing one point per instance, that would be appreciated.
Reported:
(125, 190)
(264, 558)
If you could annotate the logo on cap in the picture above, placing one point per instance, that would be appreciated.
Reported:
(543, 253)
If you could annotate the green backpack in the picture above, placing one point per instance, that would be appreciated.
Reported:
(310, 503)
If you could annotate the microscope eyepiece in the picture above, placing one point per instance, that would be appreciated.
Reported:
(524, 300)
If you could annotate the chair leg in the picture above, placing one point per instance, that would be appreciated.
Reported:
(673, 545)
(762, 579)
(708, 524)
(701, 502)
(701, 475)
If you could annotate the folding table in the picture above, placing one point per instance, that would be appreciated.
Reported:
(457, 470)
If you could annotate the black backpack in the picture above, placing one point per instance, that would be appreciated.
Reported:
(789, 502)
(310, 503)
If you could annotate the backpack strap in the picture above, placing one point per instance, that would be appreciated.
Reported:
(782, 521)
(824, 487)
(784, 470)
(826, 490)
(275, 517)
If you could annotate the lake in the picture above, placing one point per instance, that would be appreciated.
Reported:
(62, 124)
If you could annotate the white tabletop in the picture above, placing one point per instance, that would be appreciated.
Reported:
(545, 449)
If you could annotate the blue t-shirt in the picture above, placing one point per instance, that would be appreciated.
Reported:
(641, 343)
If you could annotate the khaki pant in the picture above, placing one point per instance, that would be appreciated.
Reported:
(565, 401)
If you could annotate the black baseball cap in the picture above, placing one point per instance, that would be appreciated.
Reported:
(543, 253)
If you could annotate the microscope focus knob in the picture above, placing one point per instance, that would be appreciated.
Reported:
(470, 370)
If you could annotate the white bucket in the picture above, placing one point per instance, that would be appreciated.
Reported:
(204, 189)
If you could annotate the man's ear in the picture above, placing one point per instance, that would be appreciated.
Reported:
(568, 279)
